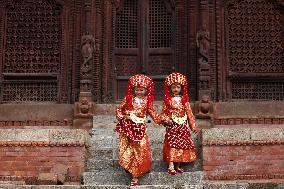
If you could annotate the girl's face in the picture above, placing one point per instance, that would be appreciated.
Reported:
(139, 91)
(176, 89)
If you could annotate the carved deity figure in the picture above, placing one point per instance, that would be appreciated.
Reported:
(84, 108)
(204, 107)
(87, 54)
(203, 44)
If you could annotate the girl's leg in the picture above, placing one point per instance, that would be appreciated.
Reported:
(134, 182)
(178, 169)
(171, 169)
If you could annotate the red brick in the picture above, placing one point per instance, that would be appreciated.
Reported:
(30, 161)
(243, 161)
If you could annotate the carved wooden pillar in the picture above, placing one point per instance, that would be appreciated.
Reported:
(83, 110)
(1, 45)
(107, 47)
(98, 32)
(203, 46)
(204, 106)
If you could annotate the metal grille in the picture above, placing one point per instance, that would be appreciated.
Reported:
(33, 38)
(251, 90)
(30, 91)
(255, 37)
(160, 25)
(126, 26)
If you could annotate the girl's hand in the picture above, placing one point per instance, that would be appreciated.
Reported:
(196, 130)
(126, 117)
(168, 121)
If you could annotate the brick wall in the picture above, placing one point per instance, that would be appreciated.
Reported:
(23, 155)
(231, 154)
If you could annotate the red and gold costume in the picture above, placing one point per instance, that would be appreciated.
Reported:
(178, 118)
(134, 148)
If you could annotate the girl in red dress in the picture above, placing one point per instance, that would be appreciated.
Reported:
(134, 148)
(178, 119)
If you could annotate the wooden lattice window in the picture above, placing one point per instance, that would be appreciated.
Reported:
(255, 49)
(253, 90)
(33, 38)
(126, 25)
(30, 91)
(32, 52)
(160, 21)
(255, 37)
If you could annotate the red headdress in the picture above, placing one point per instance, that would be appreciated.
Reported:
(140, 80)
(175, 78)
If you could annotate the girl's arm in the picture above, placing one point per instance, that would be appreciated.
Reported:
(190, 117)
(165, 115)
(120, 110)
(153, 114)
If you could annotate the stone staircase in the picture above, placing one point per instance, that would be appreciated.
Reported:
(102, 167)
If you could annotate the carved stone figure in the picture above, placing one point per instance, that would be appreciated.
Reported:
(84, 108)
(88, 44)
(203, 44)
(204, 107)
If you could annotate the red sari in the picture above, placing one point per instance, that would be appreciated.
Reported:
(178, 145)
(134, 149)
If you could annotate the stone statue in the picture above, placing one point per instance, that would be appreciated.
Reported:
(88, 45)
(84, 108)
(204, 107)
(203, 44)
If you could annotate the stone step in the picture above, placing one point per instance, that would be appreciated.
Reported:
(112, 153)
(153, 178)
(108, 138)
(109, 121)
(191, 186)
(157, 165)
(257, 184)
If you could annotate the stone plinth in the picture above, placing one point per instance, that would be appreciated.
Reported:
(27, 153)
(243, 154)
(249, 112)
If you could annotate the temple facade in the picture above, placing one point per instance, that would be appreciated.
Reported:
(50, 50)
(64, 67)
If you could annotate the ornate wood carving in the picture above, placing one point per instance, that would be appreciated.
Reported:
(37, 59)
(203, 46)
(255, 54)
(97, 71)
(33, 38)
(255, 39)
(88, 46)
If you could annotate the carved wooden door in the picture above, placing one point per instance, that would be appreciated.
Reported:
(143, 39)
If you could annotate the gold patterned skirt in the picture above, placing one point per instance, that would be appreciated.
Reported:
(134, 157)
(178, 155)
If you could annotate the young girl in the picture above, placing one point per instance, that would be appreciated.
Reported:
(177, 117)
(134, 148)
